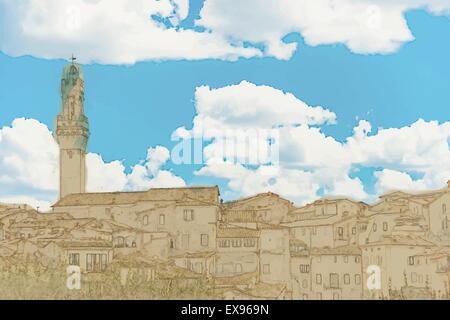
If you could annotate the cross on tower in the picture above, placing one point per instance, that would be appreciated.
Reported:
(73, 58)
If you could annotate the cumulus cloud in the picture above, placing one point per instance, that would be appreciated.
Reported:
(149, 173)
(108, 31)
(364, 26)
(388, 180)
(104, 177)
(125, 32)
(309, 161)
(29, 167)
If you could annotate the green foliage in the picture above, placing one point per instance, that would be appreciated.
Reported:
(32, 281)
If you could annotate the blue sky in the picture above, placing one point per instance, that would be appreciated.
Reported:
(134, 107)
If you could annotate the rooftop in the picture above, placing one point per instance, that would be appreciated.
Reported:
(205, 194)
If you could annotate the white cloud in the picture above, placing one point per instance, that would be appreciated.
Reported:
(364, 26)
(104, 177)
(28, 156)
(29, 167)
(391, 180)
(123, 32)
(149, 173)
(235, 105)
(310, 161)
(107, 31)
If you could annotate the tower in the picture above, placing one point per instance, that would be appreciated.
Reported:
(72, 132)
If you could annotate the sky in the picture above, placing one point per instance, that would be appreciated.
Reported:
(357, 93)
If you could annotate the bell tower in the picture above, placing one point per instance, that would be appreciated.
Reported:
(72, 132)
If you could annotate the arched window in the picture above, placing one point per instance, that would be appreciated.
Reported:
(120, 242)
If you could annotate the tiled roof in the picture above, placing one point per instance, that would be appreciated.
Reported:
(207, 194)
(237, 233)
(85, 243)
(408, 240)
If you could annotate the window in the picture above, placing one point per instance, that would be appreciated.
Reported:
(374, 227)
(96, 262)
(145, 220)
(334, 280)
(204, 239)
(236, 243)
(357, 279)
(304, 268)
(120, 242)
(411, 260)
(385, 226)
(379, 260)
(354, 230)
(89, 263)
(266, 268)
(346, 278)
(188, 214)
(162, 219)
(318, 278)
(346, 259)
(74, 259)
(133, 244)
(104, 261)
(341, 231)
(249, 242)
(172, 244)
(444, 208)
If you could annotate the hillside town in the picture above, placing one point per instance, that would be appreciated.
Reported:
(259, 247)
